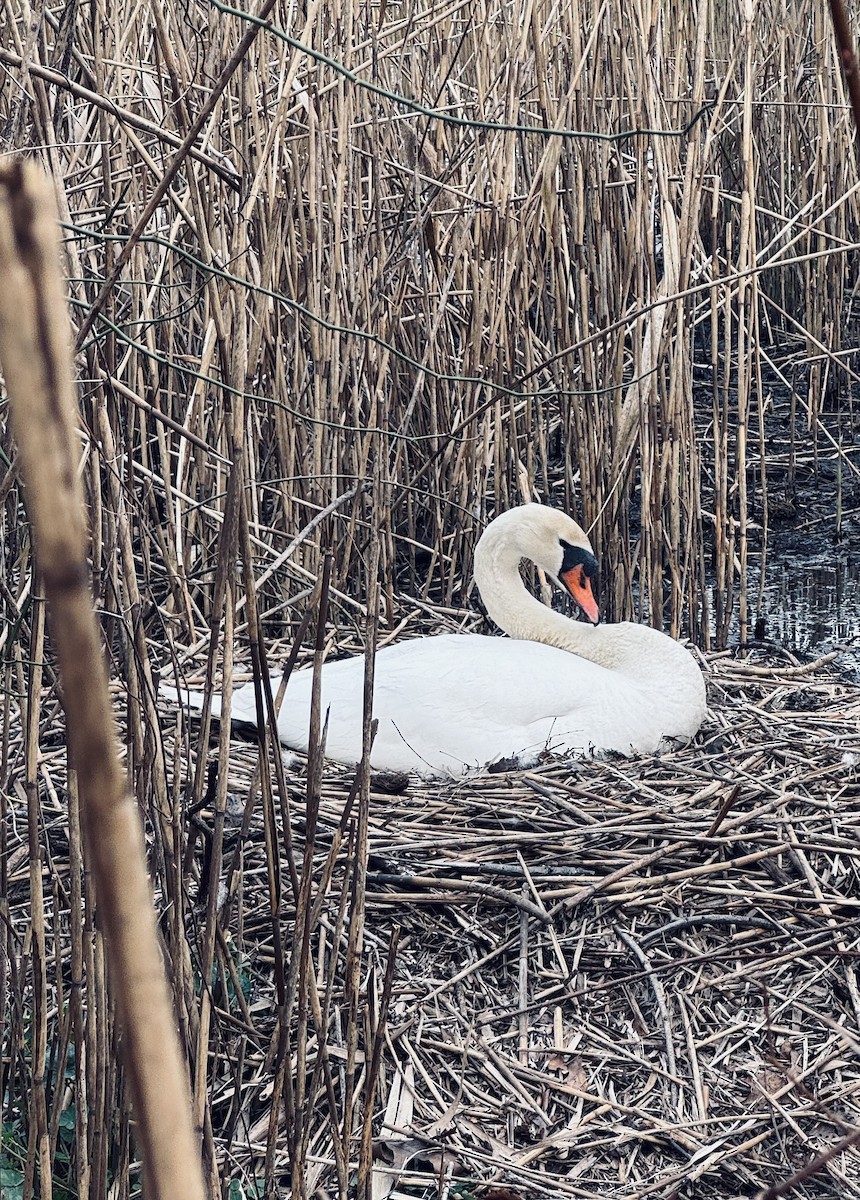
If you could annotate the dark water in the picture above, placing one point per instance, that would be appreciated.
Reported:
(812, 598)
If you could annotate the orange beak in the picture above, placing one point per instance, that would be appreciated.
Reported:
(579, 585)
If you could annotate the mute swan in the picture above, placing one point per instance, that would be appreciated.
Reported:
(454, 702)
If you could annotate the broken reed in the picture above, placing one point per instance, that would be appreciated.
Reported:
(37, 365)
(338, 287)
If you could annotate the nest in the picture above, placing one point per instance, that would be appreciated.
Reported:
(612, 978)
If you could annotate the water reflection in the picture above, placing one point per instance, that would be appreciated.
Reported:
(811, 603)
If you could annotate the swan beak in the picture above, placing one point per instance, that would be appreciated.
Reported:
(579, 585)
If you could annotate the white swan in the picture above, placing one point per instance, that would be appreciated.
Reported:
(451, 703)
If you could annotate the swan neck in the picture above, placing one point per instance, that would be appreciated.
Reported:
(520, 615)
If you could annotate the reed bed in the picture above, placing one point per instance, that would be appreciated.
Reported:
(337, 283)
(611, 978)
(345, 285)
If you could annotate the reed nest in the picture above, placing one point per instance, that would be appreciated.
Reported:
(609, 977)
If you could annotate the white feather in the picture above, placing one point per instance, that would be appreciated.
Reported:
(449, 704)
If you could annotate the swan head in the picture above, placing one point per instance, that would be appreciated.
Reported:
(578, 576)
(553, 541)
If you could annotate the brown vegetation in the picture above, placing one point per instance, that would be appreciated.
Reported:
(422, 262)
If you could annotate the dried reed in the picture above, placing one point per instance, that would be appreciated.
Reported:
(37, 364)
(423, 262)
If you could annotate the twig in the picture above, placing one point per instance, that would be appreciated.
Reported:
(850, 66)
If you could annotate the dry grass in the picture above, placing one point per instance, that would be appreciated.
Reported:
(335, 284)
(377, 302)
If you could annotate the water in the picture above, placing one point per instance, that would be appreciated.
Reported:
(812, 599)
(811, 602)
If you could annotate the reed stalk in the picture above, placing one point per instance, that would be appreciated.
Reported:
(37, 369)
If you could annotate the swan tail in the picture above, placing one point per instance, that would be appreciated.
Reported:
(192, 701)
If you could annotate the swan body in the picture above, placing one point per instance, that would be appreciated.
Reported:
(456, 702)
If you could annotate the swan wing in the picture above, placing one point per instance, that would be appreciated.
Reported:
(448, 704)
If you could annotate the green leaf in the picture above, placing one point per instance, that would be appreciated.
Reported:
(252, 1190)
(67, 1118)
(11, 1184)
